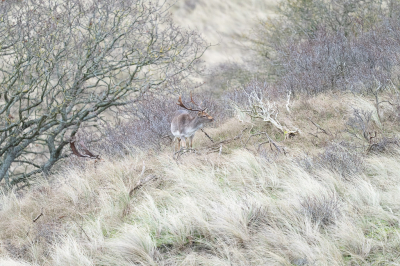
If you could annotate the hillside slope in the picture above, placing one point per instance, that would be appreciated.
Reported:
(237, 202)
(223, 23)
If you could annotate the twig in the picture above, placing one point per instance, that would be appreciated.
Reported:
(207, 135)
(141, 182)
(34, 220)
(262, 143)
(288, 101)
(37, 217)
(320, 128)
(270, 141)
(228, 140)
(81, 228)
(252, 135)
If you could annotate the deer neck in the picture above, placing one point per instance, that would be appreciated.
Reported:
(196, 123)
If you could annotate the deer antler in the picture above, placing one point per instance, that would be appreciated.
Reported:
(192, 101)
(182, 105)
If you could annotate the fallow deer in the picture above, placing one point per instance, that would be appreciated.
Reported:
(184, 125)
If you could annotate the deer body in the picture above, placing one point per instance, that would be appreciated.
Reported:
(184, 125)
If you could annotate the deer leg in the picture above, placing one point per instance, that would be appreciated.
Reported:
(179, 143)
(173, 143)
(183, 142)
(191, 142)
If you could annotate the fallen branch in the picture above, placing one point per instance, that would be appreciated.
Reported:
(258, 108)
(270, 141)
(320, 128)
(239, 136)
(86, 151)
(141, 183)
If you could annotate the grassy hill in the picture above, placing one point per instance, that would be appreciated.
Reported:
(301, 167)
(321, 202)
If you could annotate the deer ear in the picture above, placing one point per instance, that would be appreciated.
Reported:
(205, 110)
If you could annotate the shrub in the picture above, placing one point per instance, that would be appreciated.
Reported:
(144, 125)
(320, 45)
(338, 158)
(331, 61)
(302, 19)
(384, 145)
(360, 125)
(63, 63)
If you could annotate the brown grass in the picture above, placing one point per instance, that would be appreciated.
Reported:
(239, 206)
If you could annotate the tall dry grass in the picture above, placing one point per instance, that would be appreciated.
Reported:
(323, 202)
(238, 207)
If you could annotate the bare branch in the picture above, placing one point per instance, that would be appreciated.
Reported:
(62, 64)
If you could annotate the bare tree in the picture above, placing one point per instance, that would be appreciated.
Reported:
(63, 63)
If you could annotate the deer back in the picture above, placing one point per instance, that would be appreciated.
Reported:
(183, 123)
(180, 122)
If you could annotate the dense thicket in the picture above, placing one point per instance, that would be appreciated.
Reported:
(63, 63)
(318, 45)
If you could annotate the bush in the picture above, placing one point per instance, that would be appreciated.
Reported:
(63, 63)
(322, 45)
(302, 19)
(360, 125)
(384, 145)
(333, 62)
(339, 159)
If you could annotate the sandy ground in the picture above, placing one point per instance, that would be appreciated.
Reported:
(223, 23)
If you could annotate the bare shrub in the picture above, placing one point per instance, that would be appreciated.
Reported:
(331, 61)
(315, 46)
(306, 162)
(360, 125)
(340, 159)
(322, 209)
(62, 64)
(346, 15)
(301, 20)
(144, 125)
(384, 145)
